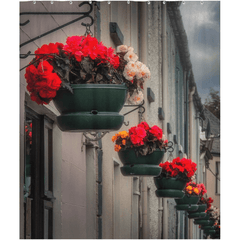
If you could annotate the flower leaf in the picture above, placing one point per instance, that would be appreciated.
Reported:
(67, 86)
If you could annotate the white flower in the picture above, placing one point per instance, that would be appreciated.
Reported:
(130, 49)
(143, 72)
(136, 98)
(130, 56)
(130, 70)
(122, 48)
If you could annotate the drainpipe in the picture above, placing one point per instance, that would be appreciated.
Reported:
(186, 140)
(191, 121)
(191, 143)
(165, 104)
(143, 54)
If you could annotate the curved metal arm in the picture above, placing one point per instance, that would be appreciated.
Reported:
(85, 15)
(96, 138)
(170, 146)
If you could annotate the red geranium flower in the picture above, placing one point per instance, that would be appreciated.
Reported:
(42, 82)
(144, 125)
(156, 131)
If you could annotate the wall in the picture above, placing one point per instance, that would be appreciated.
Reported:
(120, 205)
(69, 162)
(211, 181)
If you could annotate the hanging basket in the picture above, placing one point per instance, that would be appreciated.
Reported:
(91, 107)
(187, 203)
(204, 222)
(208, 232)
(206, 227)
(169, 187)
(140, 165)
(199, 213)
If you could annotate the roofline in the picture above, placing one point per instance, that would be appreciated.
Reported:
(182, 44)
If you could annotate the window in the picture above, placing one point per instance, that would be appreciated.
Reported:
(217, 177)
(38, 176)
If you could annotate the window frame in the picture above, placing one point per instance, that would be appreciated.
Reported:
(41, 198)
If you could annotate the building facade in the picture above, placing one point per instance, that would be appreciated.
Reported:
(71, 187)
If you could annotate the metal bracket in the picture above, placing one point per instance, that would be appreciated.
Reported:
(170, 147)
(138, 107)
(85, 15)
(95, 135)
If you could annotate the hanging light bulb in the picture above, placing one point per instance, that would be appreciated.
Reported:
(109, 2)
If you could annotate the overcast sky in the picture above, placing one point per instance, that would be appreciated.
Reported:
(202, 25)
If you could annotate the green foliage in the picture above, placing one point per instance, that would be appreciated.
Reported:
(212, 103)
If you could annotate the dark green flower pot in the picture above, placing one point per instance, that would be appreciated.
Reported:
(205, 218)
(204, 222)
(187, 203)
(215, 236)
(140, 165)
(206, 227)
(91, 107)
(199, 213)
(211, 231)
(169, 187)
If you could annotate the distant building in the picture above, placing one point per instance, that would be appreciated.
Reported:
(211, 149)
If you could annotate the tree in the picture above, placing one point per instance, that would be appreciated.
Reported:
(212, 103)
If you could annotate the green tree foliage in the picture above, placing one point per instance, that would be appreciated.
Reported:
(212, 103)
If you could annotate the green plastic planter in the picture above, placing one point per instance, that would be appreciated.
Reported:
(206, 227)
(204, 222)
(211, 231)
(169, 187)
(197, 215)
(198, 221)
(187, 203)
(200, 213)
(91, 107)
(140, 165)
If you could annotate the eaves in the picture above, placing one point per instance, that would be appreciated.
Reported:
(182, 44)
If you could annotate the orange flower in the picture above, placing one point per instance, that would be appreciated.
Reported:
(196, 190)
(190, 192)
(124, 142)
(123, 134)
(188, 188)
(117, 148)
(114, 138)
